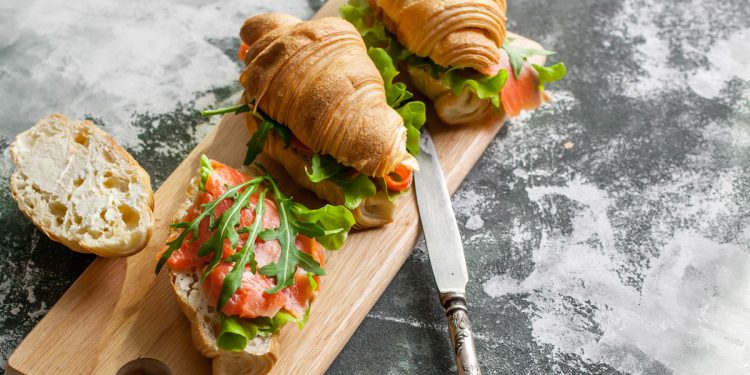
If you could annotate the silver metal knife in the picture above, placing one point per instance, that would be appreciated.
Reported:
(446, 252)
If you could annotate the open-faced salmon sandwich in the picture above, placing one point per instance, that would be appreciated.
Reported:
(458, 54)
(244, 260)
(329, 112)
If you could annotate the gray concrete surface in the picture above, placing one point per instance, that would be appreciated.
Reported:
(606, 233)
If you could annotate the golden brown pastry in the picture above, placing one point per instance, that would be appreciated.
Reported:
(315, 77)
(453, 33)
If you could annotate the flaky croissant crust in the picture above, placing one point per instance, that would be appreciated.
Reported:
(316, 78)
(453, 33)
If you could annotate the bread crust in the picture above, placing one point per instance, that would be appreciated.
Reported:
(261, 353)
(30, 193)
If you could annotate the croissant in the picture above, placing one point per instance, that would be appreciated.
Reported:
(453, 33)
(315, 77)
(518, 93)
(461, 52)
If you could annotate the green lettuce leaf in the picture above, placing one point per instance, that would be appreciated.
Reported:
(282, 318)
(373, 32)
(414, 117)
(355, 189)
(549, 73)
(311, 280)
(384, 50)
(323, 168)
(484, 87)
(518, 55)
(335, 222)
(235, 333)
(395, 93)
(205, 171)
(457, 79)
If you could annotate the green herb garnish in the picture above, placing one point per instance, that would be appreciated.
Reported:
(323, 168)
(258, 139)
(517, 55)
(290, 257)
(192, 227)
(246, 255)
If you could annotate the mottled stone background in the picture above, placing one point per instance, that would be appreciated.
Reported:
(605, 233)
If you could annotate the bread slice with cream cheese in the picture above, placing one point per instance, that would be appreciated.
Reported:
(81, 188)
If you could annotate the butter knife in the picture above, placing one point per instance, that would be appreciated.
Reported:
(446, 252)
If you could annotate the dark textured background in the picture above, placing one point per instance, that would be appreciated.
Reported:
(607, 232)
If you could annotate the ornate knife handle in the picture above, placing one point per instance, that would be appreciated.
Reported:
(461, 334)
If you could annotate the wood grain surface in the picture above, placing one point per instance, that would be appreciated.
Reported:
(118, 310)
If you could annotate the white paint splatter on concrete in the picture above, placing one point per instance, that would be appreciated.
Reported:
(728, 58)
(113, 58)
(501, 285)
(692, 302)
(42, 311)
(475, 222)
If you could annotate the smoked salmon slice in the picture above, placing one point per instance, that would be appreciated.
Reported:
(522, 92)
(249, 300)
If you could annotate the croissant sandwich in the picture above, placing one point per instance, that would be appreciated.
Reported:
(244, 260)
(458, 54)
(328, 111)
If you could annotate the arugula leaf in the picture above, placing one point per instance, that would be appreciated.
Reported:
(549, 73)
(258, 139)
(335, 221)
(192, 227)
(226, 230)
(484, 87)
(205, 171)
(323, 168)
(234, 109)
(517, 55)
(414, 115)
(290, 257)
(355, 189)
(256, 142)
(233, 279)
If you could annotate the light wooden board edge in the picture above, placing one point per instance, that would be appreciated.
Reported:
(118, 310)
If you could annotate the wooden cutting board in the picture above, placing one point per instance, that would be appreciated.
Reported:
(118, 310)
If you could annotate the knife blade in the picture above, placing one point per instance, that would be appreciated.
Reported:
(446, 252)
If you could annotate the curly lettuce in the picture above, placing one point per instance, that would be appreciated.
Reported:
(550, 73)
(412, 112)
(484, 87)
(237, 332)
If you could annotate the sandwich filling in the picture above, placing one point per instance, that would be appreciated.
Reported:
(259, 254)
(354, 185)
(506, 87)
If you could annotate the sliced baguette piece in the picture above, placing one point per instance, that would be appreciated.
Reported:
(259, 355)
(81, 188)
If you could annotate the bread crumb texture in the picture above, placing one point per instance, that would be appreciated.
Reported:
(82, 188)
